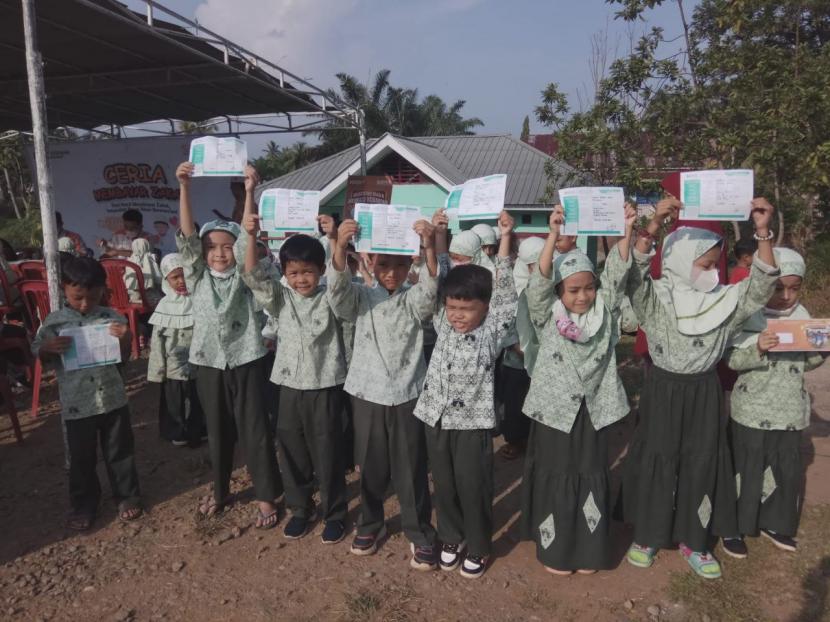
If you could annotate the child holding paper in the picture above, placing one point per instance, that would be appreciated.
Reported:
(93, 400)
(678, 483)
(181, 420)
(575, 396)
(458, 409)
(770, 407)
(228, 352)
(310, 368)
(384, 380)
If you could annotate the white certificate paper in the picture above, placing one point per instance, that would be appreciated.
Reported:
(387, 229)
(282, 209)
(478, 199)
(593, 211)
(717, 194)
(92, 346)
(224, 156)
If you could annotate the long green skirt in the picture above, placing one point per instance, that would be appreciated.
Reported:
(769, 477)
(678, 483)
(566, 504)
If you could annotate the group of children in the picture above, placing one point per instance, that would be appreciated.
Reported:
(531, 343)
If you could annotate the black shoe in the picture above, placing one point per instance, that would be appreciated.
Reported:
(423, 557)
(450, 556)
(333, 532)
(473, 567)
(296, 528)
(736, 547)
(785, 543)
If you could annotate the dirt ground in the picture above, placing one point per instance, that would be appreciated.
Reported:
(169, 566)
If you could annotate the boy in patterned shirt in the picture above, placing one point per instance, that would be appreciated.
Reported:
(384, 380)
(457, 404)
(310, 368)
(93, 400)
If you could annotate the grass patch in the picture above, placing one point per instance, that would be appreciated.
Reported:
(362, 606)
(769, 581)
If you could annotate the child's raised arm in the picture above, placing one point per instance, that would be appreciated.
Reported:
(624, 245)
(667, 209)
(555, 222)
(426, 232)
(504, 301)
(183, 173)
(441, 223)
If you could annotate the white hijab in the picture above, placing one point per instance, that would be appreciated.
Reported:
(529, 251)
(695, 312)
(589, 322)
(791, 264)
(143, 256)
(486, 233)
(468, 244)
(175, 310)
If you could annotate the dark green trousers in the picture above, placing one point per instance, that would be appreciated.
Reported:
(115, 434)
(389, 445)
(462, 474)
(232, 400)
(310, 435)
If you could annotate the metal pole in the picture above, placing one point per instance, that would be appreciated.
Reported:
(361, 128)
(37, 101)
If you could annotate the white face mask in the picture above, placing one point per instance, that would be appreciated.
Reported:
(223, 275)
(706, 280)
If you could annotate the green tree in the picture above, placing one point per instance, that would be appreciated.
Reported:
(525, 135)
(397, 110)
(749, 90)
(195, 127)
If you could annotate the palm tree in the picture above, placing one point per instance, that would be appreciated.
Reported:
(392, 109)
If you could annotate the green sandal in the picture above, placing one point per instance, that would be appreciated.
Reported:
(703, 564)
(640, 556)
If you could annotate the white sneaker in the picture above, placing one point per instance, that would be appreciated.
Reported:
(473, 567)
(451, 556)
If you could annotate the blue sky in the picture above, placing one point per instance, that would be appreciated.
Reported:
(496, 54)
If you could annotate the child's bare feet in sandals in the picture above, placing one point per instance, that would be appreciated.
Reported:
(209, 507)
(129, 510)
(268, 515)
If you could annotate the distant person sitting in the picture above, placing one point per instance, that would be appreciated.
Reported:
(77, 241)
(744, 251)
(121, 243)
(238, 192)
(164, 240)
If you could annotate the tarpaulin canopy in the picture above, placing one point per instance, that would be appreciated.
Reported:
(107, 65)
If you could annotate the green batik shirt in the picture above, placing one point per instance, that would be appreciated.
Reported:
(567, 372)
(769, 393)
(227, 326)
(170, 354)
(692, 354)
(387, 365)
(310, 353)
(84, 392)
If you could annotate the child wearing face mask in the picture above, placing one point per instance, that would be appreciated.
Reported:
(228, 353)
(770, 407)
(310, 368)
(384, 380)
(181, 420)
(575, 395)
(458, 409)
(678, 484)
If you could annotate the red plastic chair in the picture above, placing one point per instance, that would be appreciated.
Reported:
(35, 296)
(32, 270)
(119, 297)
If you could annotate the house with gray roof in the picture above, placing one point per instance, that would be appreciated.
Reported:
(424, 169)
